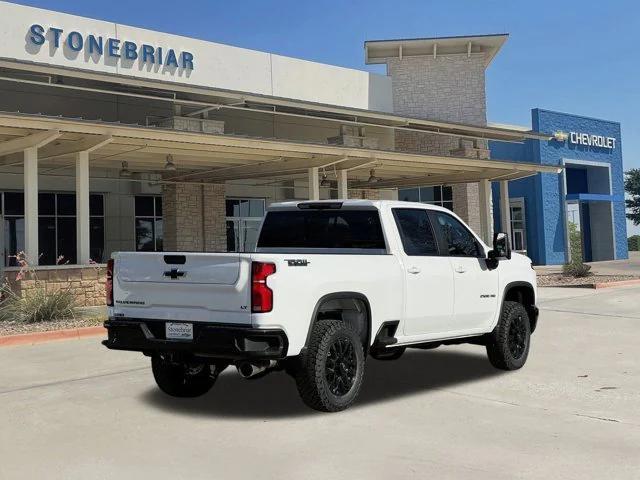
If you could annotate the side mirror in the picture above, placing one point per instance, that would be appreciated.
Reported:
(501, 246)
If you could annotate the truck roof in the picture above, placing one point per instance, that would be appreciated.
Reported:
(351, 204)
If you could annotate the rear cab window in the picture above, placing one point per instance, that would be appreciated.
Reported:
(338, 230)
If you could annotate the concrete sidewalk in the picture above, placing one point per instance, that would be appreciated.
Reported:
(631, 266)
(74, 410)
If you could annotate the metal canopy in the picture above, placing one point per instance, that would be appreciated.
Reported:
(217, 158)
(200, 99)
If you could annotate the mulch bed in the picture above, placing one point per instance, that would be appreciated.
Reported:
(559, 280)
(15, 328)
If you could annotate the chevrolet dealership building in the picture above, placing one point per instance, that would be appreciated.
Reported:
(119, 138)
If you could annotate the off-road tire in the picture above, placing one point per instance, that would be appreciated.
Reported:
(508, 344)
(312, 377)
(182, 379)
(389, 353)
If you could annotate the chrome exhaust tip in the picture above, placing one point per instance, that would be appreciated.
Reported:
(251, 369)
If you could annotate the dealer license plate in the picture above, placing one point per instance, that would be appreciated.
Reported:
(179, 331)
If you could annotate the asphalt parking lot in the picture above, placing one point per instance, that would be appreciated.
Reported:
(73, 410)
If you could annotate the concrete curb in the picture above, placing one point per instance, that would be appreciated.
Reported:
(621, 283)
(50, 336)
(597, 286)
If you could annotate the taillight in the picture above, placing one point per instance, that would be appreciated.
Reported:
(108, 284)
(261, 294)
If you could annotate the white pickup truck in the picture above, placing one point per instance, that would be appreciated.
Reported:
(330, 283)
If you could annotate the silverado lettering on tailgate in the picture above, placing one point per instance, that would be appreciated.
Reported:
(297, 262)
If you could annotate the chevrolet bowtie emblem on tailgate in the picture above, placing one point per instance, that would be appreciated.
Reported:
(174, 274)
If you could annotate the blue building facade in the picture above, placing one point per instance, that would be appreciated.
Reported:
(587, 197)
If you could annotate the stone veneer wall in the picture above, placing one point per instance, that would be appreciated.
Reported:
(448, 88)
(364, 194)
(194, 217)
(87, 283)
(215, 218)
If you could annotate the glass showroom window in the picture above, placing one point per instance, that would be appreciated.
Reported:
(149, 226)
(439, 195)
(13, 212)
(56, 227)
(243, 221)
(518, 227)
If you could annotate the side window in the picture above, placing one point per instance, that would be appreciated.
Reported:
(457, 238)
(415, 231)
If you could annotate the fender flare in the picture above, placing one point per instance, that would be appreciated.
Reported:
(339, 296)
(530, 308)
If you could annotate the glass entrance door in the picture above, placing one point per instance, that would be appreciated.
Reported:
(242, 234)
(243, 222)
(518, 227)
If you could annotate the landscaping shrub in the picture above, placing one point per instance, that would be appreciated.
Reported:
(576, 269)
(35, 304)
(634, 243)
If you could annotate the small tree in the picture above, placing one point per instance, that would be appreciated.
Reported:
(632, 187)
(575, 243)
(576, 267)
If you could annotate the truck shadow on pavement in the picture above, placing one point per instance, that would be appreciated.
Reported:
(275, 396)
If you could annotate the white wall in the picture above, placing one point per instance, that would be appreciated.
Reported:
(215, 65)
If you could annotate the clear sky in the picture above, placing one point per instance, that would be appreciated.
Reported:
(575, 56)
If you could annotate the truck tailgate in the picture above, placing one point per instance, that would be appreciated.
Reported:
(207, 287)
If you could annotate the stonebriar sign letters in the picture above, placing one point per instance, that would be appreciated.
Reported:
(111, 47)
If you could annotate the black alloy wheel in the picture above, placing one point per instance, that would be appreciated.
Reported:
(517, 337)
(341, 366)
(508, 344)
(330, 370)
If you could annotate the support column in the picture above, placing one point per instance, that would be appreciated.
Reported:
(486, 211)
(505, 208)
(82, 208)
(31, 247)
(314, 184)
(183, 215)
(466, 200)
(215, 219)
(343, 191)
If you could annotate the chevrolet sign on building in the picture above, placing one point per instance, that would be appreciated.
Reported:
(588, 140)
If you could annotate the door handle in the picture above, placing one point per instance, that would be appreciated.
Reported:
(413, 270)
(460, 269)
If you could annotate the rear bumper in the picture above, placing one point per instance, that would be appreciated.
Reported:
(209, 340)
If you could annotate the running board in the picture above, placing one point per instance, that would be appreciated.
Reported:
(478, 339)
